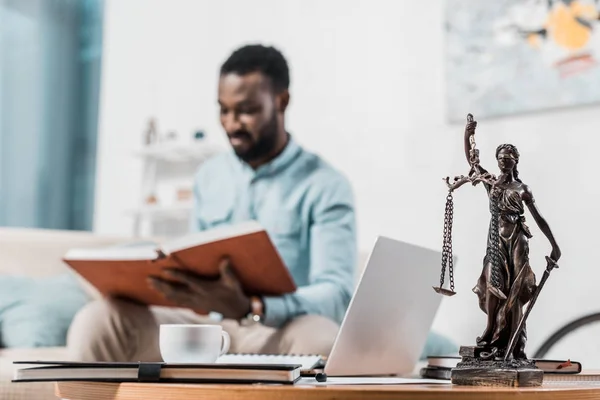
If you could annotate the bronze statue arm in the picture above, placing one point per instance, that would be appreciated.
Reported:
(471, 153)
(542, 224)
(477, 173)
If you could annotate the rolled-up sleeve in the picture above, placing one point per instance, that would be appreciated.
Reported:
(333, 254)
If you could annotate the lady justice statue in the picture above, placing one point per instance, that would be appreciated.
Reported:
(507, 282)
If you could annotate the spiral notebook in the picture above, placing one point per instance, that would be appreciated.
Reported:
(307, 362)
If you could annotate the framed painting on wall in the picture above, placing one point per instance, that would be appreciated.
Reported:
(513, 56)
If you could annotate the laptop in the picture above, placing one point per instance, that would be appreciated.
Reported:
(390, 314)
(387, 321)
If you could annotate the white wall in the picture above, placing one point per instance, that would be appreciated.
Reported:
(368, 94)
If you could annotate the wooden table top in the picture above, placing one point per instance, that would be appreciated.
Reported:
(138, 391)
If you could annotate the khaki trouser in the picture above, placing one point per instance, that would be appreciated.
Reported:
(117, 330)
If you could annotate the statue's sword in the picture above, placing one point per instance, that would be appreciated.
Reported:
(551, 264)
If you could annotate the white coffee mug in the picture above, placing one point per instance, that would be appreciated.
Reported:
(192, 344)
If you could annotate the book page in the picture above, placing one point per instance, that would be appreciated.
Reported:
(211, 235)
(123, 253)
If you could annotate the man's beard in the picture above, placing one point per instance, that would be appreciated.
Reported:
(264, 146)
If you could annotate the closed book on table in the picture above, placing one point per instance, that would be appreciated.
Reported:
(156, 372)
(123, 271)
(440, 367)
(548, 366)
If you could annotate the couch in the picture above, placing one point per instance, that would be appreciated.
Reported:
(37, 253)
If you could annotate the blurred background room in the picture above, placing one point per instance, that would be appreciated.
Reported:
(107, 107)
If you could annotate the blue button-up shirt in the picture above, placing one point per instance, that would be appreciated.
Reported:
(307, 208)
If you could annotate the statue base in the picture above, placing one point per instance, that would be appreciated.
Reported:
(473, 370)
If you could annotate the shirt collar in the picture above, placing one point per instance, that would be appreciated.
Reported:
(279, 163)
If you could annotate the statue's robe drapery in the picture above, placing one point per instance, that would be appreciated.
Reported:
(516, 278)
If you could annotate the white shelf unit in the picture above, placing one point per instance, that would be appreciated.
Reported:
(167, 167)
(178, 152)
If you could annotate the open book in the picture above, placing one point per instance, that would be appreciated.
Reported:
(122, 271)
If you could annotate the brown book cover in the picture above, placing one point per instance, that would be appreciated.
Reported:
(122, 271)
